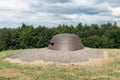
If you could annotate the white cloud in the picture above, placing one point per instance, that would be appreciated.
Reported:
(82, 2)
(115, 10)
(88, 19)
(14, 5)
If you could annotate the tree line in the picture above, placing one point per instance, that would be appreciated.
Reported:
(27, 36)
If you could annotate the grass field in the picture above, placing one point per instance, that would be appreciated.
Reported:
(107, 71)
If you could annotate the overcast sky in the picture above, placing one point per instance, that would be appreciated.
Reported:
(54, 12)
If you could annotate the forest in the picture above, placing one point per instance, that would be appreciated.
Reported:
(27, 36)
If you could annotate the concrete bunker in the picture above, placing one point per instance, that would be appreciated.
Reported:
(66, 42)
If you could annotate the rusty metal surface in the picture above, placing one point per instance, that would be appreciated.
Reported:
(67, 42)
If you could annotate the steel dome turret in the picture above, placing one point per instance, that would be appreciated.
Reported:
(67, 42)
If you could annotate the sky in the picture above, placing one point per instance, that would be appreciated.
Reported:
(51, 13)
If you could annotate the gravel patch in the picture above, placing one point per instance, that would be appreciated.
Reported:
(46, 54)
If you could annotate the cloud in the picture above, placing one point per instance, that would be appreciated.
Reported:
(55, 12)
(114, 10)
(57, 1)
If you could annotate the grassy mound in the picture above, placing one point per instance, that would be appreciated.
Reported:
(107, 71)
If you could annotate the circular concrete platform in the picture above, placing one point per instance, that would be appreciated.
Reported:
(45, 54)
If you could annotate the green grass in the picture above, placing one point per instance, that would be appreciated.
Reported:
(107, 71)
